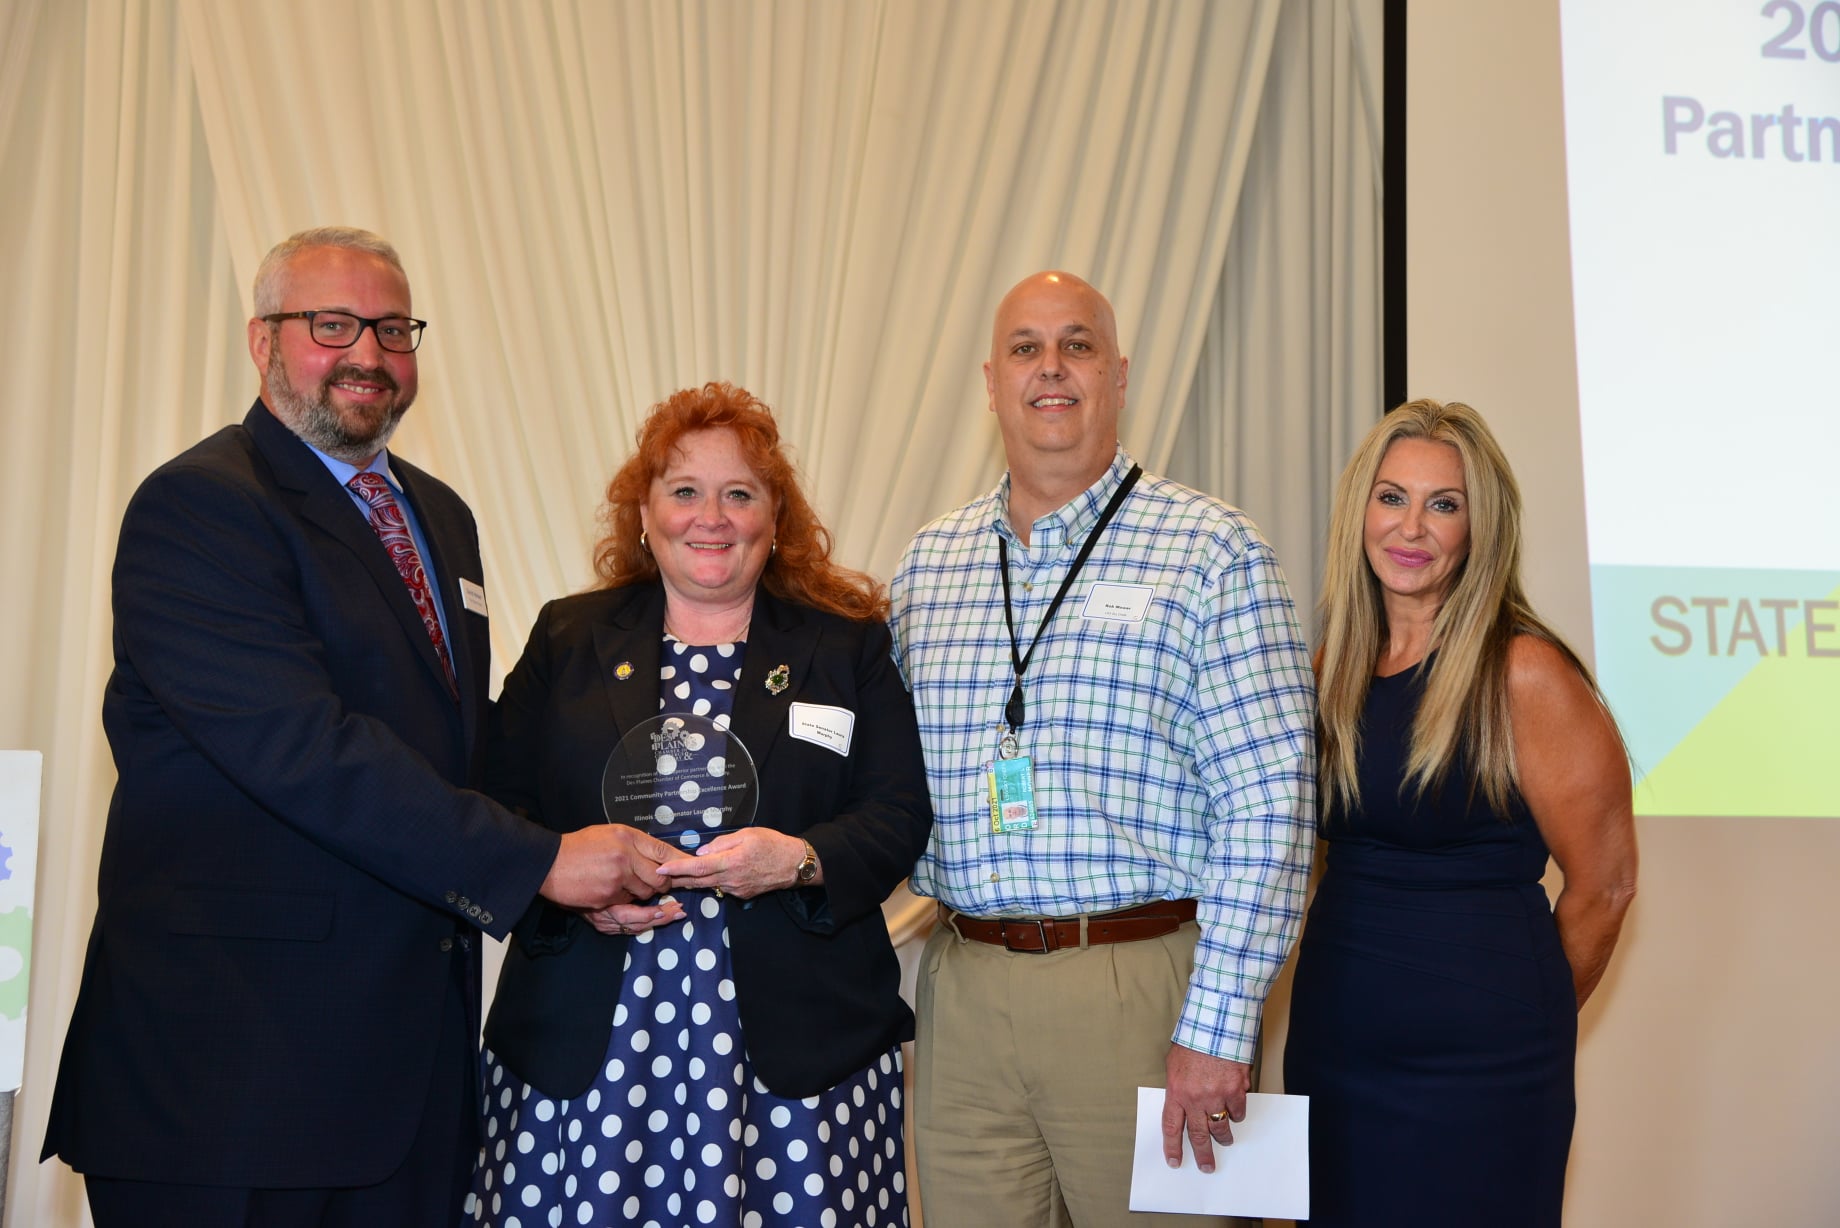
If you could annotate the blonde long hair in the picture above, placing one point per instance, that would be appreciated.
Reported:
(1465, 704)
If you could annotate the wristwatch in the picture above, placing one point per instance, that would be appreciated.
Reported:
(808, 869)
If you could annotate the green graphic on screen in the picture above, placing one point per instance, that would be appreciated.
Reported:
(1726, 683)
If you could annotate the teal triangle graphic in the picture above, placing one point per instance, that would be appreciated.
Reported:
(1672, 642)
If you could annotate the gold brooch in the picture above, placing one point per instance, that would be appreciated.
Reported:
(778, 679)
(623, 671)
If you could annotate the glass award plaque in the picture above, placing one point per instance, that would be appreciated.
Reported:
(680, 778)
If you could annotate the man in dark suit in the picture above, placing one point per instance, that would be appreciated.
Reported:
(278, 1011)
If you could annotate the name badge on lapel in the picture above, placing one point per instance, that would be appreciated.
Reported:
(823, 725)
(473, 596)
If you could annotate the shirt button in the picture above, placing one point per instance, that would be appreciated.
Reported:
(994, 876)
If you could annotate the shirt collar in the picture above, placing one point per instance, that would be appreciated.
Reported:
(344, 471)
(1075, 519)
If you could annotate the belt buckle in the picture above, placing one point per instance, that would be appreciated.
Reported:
(1041, 928)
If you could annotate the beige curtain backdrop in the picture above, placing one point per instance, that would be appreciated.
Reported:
(605, 200)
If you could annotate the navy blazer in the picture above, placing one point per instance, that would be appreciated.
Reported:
(816, 978)
(292, 849)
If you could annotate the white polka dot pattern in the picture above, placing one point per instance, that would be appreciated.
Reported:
(739, 1153)
(676, 1129)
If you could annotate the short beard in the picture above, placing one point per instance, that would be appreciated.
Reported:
(314, 419)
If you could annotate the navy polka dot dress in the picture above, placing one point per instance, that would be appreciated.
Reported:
(676, 1130)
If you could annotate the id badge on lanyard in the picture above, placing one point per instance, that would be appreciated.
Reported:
(1012, 789)
(1011, 774)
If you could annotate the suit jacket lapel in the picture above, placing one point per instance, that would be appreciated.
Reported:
(450, 551)
(326, 504)
(628, 647)
(779, 638)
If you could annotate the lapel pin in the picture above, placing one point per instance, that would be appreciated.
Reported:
(778, 679)
(623, 670)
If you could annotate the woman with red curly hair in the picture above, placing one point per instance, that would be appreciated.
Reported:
(730, 1051)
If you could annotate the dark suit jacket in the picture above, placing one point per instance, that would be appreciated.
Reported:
(816, 978)
(291, 851)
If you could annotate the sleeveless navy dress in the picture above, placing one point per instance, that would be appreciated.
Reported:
(1433, 1022)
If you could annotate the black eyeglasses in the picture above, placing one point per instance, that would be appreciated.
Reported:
(340, 330)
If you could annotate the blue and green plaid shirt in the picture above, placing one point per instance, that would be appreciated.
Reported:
(1174, 755)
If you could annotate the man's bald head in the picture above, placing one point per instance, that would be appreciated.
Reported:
(1058, 286)
(1056, 381)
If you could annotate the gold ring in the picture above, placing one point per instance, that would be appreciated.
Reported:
(1220, 1116)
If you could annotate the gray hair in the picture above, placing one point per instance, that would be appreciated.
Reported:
(272, 277)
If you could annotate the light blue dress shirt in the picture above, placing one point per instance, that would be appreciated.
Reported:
(380, 466)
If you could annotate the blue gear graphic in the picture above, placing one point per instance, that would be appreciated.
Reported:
(6, 861)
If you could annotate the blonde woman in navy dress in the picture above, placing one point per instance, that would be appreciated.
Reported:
(729, 1053)
(1434, 1012)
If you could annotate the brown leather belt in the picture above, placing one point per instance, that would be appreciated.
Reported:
(1040, 935)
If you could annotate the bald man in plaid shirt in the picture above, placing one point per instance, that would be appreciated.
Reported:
(1118, 716)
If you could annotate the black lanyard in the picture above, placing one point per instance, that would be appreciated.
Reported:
(1013, 710)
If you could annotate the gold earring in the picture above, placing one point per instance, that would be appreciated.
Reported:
(642, 544)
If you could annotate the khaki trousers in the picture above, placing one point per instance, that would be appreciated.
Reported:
(1026, 1073)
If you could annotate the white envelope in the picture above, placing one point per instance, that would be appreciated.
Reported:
(1266, 1172)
